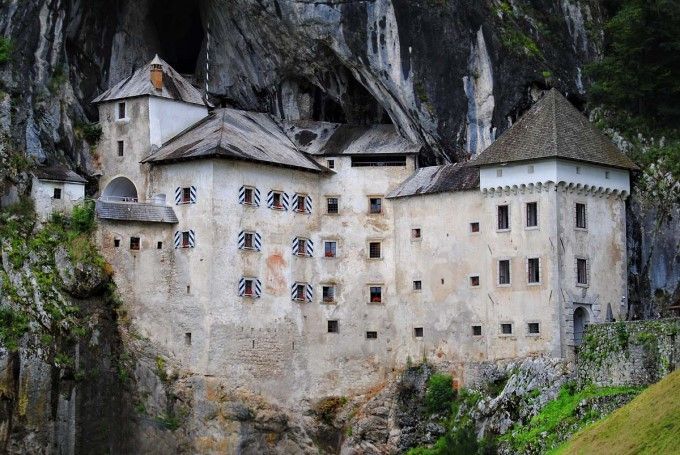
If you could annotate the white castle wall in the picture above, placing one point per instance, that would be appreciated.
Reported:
(42, 193)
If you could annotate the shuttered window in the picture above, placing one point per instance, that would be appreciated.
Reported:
(248, 195)
(185, 239)
(250, 287)
(302, 203)
(303, 247)
(301, 292)
(185, 195)
(249, 240)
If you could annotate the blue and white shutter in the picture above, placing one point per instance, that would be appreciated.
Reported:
(296, 246)
(178, 239)
(257, 284)
(307, 201)
(257, 240)
(256, 196)
(285, 201)
(308, 204)
(192, 194)
(178, 196)
(309, 247)
(308, 292)
(241, 287)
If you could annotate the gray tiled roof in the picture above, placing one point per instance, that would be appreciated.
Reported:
(333, 139)
(438, 179)
(554, 128)
(234, 134)
(126, 211)
(57, 173)
(175, 87)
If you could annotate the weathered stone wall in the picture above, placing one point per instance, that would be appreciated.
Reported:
(629, 353)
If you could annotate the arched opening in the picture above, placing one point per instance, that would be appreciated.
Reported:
(581, 320)
(120, 189)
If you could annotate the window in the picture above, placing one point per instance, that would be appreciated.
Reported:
(248, 240)
(159, 245)
(533, 328)
(332, 205)
(506, 329)
(374, 250)
(330, 249)
(134, 243)
(187, 339)
(186, 195)
(606, 174)
(474, 281)
(333, 327)
(121, 110)
(116, 243)
(302, 247)
(371, 335)
(186, 239)
(330, 164)
(581, 221)
(418, 332)
(299, 291)
(533, 270)
(504, 272)
(417, 285)
(375, 294)
(248, 196)
(415, 234)
(375, 205)
(474, 226)
(532, 214)
(578, 169)
(300, 203)
(328, 293)
(530, 169)
(499, 172)
(276, 201)
(503, 217)
(248, 291)
(476, 330)
(57, 193)
(121, 148)
(581, 272)
(373, 160)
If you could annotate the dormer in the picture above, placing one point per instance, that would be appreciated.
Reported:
(553, 143)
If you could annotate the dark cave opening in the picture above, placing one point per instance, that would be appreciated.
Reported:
(357, 106)
(180, 32)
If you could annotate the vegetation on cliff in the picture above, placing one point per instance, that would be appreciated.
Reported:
(647, 425)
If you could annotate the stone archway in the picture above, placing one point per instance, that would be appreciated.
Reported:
(120, 189)
(581, 319)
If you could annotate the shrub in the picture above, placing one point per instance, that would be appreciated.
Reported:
(82, 217)
(5, 49)
(91, 132)
(439, 394)
(327, 408)
(13, 326)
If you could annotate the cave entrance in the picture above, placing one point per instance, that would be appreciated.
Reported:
(180, 32)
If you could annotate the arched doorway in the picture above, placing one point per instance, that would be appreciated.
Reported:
(120, 189)
(581, 319)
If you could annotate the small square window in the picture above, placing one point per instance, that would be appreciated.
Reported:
(474, 226)
(503, 217)
(186, 195)
(328, 293)
(533, 271)
(578, 169)
(248, 196)
(299, 291)
(418, 332)
(499, 172)
(330, 249)
(134, 243)
(300, 206)
(533, 328)
(474, 281)
(532, 214)
(186, 241)
(330, 164)
(332, 205)
(417, 285)
(121, 148)
(248, 291)
(159, 245)
(375, 294)
(333, 326)
(57, 193)
(581, 220)
(476, 330)
(416, 234)
(116, 243)
(581, 271)
(504, 272)
(248, 240)
(374, 250)
(530, 169)
(606, 174)
(371, 335)
(375, 205)
(506, 329)
(121, 110)
(187, 339)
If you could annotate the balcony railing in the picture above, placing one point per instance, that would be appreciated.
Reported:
(119, 199)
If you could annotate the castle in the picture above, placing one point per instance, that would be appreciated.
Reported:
(305, 259)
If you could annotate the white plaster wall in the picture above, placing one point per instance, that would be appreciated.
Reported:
(555, 171)
(42, 192)
(168, 117)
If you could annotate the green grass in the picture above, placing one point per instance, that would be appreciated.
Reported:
(558, 412)
(650, 424)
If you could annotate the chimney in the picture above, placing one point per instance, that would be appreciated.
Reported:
(157, 73)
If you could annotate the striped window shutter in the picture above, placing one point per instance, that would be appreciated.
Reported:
(308, 204)
(178, 195)
(256, 196)
(309, 293)
(310, 247)
(296, 244)
(192, 194)
(295, 200)
(178, 239)
(285, 201)
(270, 199)
(241, 286)
(257, 240)
(192, 238)
(241, 240)
(242, 195)
(293, 291)
(258, 288)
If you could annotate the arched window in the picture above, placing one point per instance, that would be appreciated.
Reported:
(120, 189)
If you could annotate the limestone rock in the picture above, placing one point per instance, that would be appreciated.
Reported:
(79, 280)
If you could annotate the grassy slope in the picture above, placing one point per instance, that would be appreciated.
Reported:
(650, 424)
